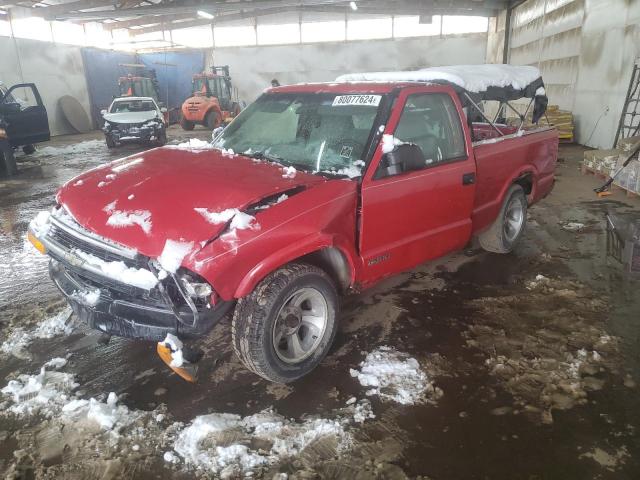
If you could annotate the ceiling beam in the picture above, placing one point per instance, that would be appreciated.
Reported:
(147, 20)
(50, 11)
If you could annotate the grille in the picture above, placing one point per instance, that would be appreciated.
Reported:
(71, 242)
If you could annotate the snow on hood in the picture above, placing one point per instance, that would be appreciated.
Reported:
(473, 78)
(130, 117)
(159, 195)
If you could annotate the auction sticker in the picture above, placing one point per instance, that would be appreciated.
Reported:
(370, 100)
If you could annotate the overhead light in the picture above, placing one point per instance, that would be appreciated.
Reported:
(207, 15)
(353, 5)
(2, 12)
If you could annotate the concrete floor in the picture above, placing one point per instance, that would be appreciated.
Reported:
(524, 394)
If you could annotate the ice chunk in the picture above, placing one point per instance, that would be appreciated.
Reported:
(123, 218)
(393, 376)
(289, 172)
(389, 142)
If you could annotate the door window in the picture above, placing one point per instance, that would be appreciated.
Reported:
(431, 122)
(20, 99)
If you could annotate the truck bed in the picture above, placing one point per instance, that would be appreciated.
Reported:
(499, 161)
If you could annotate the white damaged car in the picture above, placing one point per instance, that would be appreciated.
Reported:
(134, 120)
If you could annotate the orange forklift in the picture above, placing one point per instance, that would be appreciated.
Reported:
(213, 102)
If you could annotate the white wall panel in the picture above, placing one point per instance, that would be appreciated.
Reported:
(252, 68)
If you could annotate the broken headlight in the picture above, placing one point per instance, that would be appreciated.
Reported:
(195, 289)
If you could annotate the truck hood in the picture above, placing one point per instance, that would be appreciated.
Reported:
(130, 117)
(168, 193)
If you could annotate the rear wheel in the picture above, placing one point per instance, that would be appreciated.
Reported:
(186, 124)
(162, 138)
(507, 229)
(285, 327)
(212, 120)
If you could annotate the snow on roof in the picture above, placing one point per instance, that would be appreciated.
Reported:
(472, 78)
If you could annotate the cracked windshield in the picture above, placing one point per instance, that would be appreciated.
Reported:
(312, 132)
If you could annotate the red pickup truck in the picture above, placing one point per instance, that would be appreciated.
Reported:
(313, 190)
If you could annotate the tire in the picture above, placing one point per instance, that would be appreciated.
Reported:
(110, 142)
(506, 231)
(28, 149)
(162, 138)
(212, 120)
(266, 321)
(186, 124)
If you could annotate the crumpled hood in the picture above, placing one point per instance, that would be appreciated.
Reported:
(143, 200)
(130, 117)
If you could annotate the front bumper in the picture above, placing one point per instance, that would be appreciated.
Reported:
(128, 317)
(121, 309)
(133, 134)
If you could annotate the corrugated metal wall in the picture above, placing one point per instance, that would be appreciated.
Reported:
(585, 50)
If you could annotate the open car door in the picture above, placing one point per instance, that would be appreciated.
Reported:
(25, 115)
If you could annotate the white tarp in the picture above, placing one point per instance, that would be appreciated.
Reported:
(472, 78)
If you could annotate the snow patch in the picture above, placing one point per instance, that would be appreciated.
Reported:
(119, 271)
(573, 226)
(175, 345)
(389, 143)
(193, 144)
(40, 224)
(53, 326)
(173, 253)
(201, 444)
(123, 218)
(393, 376)
(87, 297)
(239, 220)
(473, 78)
(82, 147)
(289, 172)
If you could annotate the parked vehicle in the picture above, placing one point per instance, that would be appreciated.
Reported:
(332, 187)
(24, 117)
(212, 102)
(134, 119)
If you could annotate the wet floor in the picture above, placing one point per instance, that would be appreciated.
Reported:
(536, 354)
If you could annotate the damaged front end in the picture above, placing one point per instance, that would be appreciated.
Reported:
(120, 292)
(143, 132)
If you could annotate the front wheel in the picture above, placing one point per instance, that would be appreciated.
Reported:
(186, 124)
(285, 327)
(212, 120)
(110, 142)
(507, 229)
(162, 138)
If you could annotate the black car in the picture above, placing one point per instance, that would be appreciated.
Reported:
(23, 122)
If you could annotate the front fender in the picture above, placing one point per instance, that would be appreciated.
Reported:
(288, 254)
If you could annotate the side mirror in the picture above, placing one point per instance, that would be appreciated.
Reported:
(103, 111)
(403, 158)
(163, 110)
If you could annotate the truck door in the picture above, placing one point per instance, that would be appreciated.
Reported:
(25, 115)
(409, 217)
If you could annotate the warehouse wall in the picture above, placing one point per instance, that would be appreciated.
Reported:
(252, 68)
(57, 70)
(585, 50)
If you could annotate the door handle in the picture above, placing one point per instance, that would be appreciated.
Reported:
(468, 178)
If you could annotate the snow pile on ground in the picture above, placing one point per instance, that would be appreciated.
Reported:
(389, 142)
(76, 148)
(45, 393)
(473, 78)
(573, 226)
(193, 144)
(20, 339)
(137, 277)
(173, 253)
(50, 393)
(395, 376)
(226, 444)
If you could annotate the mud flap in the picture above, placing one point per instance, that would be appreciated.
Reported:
(188, 371)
